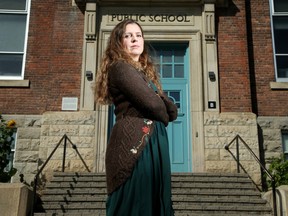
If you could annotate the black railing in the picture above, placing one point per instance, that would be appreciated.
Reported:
(239, 165)
(65, 139)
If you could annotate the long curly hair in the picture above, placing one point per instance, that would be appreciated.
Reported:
(115, 51)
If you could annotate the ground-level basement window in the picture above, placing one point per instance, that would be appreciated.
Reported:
(12, 154)
(285, 143)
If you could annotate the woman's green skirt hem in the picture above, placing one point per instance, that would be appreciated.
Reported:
(148, 190)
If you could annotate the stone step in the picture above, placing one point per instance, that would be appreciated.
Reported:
(59, 176)
(200, 194)
(187, 198)
(195, 208)
(218, 213)
(83, 213)
(72, 185)
(188, 185)
(233, 208)
(177, 207)
(75, 198)
(222, 201)
(75, 191)
(213, 191)
(74, 207)
(175, 192)
(211, 213)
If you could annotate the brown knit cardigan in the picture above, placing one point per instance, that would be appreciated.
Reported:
(137, 106)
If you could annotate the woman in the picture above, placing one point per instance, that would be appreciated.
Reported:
(137, 157)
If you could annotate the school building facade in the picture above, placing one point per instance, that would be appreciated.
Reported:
(223, 62)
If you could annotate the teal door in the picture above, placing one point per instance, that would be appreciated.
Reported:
(172, 61)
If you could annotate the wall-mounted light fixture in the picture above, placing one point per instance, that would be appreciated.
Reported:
(89, 75)
(212, 76)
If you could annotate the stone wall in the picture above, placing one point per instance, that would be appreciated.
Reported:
(219, 130)
(27, 145)
(80, 129)
(37, 136)
(271, 138)
(15, 199)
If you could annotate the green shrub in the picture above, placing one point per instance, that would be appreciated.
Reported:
(6, 140)
(279, 169)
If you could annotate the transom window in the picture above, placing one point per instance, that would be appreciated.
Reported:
(13, 38)
(170, 61)
(279, 17)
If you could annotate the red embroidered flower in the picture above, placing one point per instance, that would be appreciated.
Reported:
(146, 129)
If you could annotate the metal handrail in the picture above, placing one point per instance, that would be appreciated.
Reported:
(65, 138)
(239, 165)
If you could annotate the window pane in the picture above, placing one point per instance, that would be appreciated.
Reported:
(285, 144)
(167, 71)
(13, 142)
(175, 95)
(280, 34)
(12, 34)
(167, 56)
(179, 71)
(179, 56)
(282, 66)
(13, 4)
(11, 65)
(280, 5)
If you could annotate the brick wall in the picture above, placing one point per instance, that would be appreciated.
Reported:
(54, 59)
(270, 102)
(233, 58)
(243, 80)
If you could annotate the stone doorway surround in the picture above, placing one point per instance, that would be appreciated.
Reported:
(192, 21)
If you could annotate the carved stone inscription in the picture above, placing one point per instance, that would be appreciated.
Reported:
(150, 18)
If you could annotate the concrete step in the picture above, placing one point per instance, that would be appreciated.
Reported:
(200, 194)
(176, 214)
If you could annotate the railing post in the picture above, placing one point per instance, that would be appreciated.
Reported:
(237, 158)
(274, 197)
(237, 154)
(64, 153)
(34, 195)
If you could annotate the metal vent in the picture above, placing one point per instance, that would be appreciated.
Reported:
(70, 103)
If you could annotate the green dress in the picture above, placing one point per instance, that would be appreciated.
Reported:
(148, 191)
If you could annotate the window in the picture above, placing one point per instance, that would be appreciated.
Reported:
(13, 38)
(285, 143)
(279, 13)
(170, 60)
(12, 154)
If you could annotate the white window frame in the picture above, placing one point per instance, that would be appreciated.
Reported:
(274, 14)
(27, 12)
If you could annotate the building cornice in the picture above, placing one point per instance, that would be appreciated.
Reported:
(174, 3)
